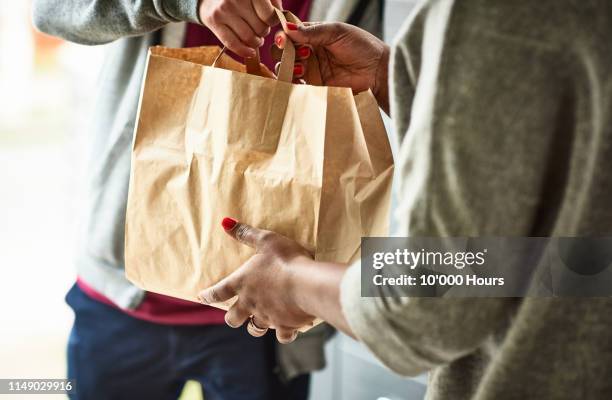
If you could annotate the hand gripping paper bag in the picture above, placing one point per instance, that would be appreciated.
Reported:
(310, 162)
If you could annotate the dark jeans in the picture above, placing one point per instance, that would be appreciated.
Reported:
(114, 356)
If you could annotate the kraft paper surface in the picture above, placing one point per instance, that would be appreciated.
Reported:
(310, 162)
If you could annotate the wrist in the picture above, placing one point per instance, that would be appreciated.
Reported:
(381, 80)
(314, 286)
(299, 282)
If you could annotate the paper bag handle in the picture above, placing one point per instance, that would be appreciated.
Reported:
(285, 70)
(253, 66)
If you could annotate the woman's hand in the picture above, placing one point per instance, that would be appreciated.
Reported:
(241, 25)
(348, 56)
(264, 283)
(281, 287)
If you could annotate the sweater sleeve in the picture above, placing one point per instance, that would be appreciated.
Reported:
(414, 335)
(93, 22)
(482, 155)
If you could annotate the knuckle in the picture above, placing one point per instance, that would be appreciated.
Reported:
(241, 308)
(252, 40)
(225, 7)
(263, 31)
(264, 318)
(231, 43)
(214, 295)
(260, 14)
(259, 321)
(229, 320)
(242, 231)
(250, 303)
(207, 20)
(267, 237)
(235, 286)
(259, 259)
(336, 27)
(231, 287)
(217, 14)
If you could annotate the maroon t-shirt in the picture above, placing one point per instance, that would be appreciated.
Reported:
(198, 35)
(168, 310)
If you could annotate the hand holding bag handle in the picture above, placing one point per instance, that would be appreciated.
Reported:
(285, 70)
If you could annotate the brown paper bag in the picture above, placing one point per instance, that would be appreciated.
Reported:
(309, 162)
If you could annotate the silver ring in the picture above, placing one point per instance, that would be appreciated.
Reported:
(254, 330)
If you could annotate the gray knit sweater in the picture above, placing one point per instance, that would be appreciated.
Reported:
(505, 114)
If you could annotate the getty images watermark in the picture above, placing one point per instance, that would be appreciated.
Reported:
(486, 267)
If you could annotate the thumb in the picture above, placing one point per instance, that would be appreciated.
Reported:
(243, 233)
(315, 33)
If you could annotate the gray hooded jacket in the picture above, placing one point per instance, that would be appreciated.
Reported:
(130, 28)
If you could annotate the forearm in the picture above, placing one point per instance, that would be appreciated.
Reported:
(316, 289)
(102, 21)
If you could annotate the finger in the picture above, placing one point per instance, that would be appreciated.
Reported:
(280, 38)
(315, 34)
(221, 291)
(311, 23)
(258, 25)
(236, 315)
(276, 52)
(286, 335)
(265, 10)
(298, 70)
(256, 328)
(266, 72)
(244, 233)
(245, 33)
(229, 39)
(303, 52)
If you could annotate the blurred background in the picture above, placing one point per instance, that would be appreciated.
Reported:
(45, 89)
(45, 96)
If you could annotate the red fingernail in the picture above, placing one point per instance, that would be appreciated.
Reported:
(304, 52)
(228, 223)
(291, 26)
(278, 40)
(298, 70)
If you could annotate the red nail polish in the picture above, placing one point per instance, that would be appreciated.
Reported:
(291, 26)
(278, 40)
(304, 52)
(228, 223)
(298, 70)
